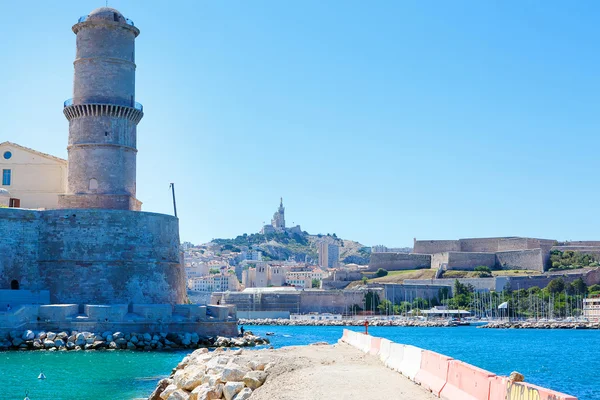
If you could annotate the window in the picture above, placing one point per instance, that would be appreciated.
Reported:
(6, 177)
(7, 155)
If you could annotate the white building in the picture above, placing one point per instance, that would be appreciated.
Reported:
(591, 309)
(33, 179)
(304, 279)
(214, 283)
(262, 274)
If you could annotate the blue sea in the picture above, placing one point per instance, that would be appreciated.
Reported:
(563, 360)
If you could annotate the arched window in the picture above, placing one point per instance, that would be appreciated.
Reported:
(14, 284)
(93, 184)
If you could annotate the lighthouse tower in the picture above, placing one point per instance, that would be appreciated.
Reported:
(103, 115)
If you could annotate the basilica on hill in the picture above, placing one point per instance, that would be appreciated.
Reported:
(278, 222)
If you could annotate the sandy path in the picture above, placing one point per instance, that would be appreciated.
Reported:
(338, 372)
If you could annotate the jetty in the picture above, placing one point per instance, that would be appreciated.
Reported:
(359, 366)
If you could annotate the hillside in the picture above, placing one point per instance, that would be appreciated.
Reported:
(299, 246)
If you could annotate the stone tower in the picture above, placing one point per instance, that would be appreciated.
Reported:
(103, 115)
(278, 221)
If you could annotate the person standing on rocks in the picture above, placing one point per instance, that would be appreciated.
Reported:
(242, 330)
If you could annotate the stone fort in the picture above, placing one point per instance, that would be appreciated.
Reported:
(97, 247)
(466, 254)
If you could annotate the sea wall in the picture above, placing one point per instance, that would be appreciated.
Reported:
(399, 261)
(480, 284)
(297, 301)
(92, 256)
(207, 320)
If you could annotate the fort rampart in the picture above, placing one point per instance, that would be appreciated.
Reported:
(399, 261)
(92, 256)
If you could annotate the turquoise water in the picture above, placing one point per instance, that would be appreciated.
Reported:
(564, 360)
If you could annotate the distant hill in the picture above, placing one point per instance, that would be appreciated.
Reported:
(299, 246)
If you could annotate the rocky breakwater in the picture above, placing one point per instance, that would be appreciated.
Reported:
(358, 322)
(62, 341)
(540, 325)
(222, 374)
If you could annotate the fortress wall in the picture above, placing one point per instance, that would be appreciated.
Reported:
(480, 284)
(468, 261)
(479, 245)
(521, 259)
(338, 301)
(397, 293)
(435, 246)
(399, 261)
(19, 230)
(93, 256)
(510, 244)
(439, 259)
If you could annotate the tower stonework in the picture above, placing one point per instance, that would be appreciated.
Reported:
(103, 115)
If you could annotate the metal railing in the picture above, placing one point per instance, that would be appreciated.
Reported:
(86, 17)
(136, 105)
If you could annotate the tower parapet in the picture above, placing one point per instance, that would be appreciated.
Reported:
(103, 115)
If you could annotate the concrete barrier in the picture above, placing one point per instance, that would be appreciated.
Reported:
(434, 371)
(396, 357)
(365, 343)
(375, 346)
(498, 387)
(384, 350)
(527, 391)
(466, 382)
(411, 363)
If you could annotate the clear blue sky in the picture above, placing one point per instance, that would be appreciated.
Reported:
(379, 121)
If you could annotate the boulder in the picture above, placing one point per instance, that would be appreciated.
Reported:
(130, 346)
(17, 342)
(234, 373)
(179, 394)
(70, 345)
(49, 344)
(231, 389)
(41, 335)
(164, 395)
(134, 339)
(117, 335)
(244, 394)
(59, 343)
(106, 333)
(28, 335)
(62, 335)
(190, 377)
(194, 338)
(255, 379)
(50, 335)
(200, 392)
(113, 346)
(256, 365)
(162, 385)
(516, 377)
(147, 337)
(110, 338)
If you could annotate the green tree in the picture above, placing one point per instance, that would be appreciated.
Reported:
(364, 280)
(316, 283)
(385, 307)
(214, 271)
(578, 286)
(483, 268)
(556, 285)
(381, 272)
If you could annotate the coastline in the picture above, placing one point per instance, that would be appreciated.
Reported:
(361, 322)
